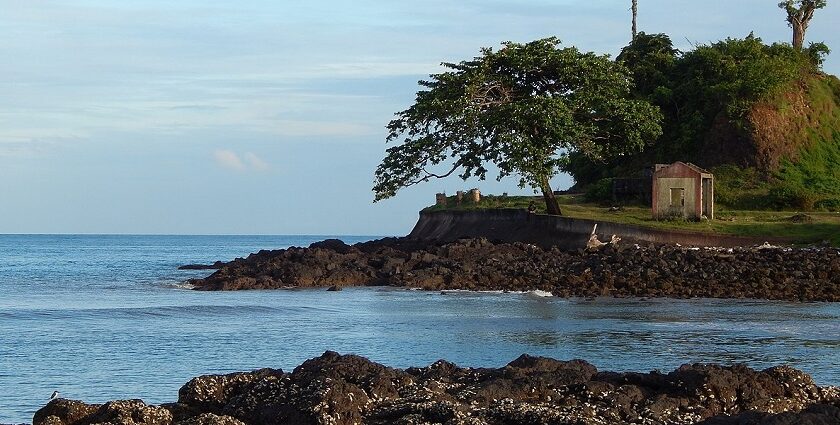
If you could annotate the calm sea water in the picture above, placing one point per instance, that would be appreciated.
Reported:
(104, 317)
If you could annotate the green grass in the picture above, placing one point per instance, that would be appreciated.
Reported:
(824, 226)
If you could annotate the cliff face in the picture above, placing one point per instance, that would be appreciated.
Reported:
(780, 131)
(788, 126)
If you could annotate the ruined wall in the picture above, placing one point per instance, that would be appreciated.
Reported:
(662, 194)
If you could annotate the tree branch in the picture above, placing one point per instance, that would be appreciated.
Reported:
(449, 173)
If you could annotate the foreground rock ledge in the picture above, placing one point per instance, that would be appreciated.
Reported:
(336, 389)
(800, 274)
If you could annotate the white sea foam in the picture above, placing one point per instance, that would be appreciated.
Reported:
(469, 291)
(536, 293)
(180, 285)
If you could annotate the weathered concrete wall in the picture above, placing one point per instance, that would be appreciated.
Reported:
(512, 225)
(663, 196)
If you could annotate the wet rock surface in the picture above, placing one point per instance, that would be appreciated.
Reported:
(348, 389)
(215, 266)
(802, 274)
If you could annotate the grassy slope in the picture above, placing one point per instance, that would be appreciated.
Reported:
(800, 130)
(823, 225)
(818, 162)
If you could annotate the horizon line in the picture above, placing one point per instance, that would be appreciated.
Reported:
(194, 234)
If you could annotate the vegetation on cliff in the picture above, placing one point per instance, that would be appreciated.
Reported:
(764, 118)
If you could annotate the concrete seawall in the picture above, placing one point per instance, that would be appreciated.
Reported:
(514, 225)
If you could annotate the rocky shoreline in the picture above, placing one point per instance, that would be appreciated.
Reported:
(348, 389)
(796, 274)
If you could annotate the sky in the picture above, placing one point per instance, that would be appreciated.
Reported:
(268, 116)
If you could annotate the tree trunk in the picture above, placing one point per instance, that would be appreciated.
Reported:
(800, 18)
(551, 205)
(635, 10)
(798, 34)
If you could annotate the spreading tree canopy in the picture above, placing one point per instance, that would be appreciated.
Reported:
(523, 108)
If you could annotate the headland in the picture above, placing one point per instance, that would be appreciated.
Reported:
(510, 251)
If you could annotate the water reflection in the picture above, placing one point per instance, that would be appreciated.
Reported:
(534, 338)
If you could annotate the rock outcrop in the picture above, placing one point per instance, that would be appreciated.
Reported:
(215, 266)
(803, 274)
(348, 389)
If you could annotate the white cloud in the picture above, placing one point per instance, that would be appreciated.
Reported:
(311, 69)
(319, 128)
(248, 161)
(228, 159)
(256, 162)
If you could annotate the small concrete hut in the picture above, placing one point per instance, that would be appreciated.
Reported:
(683, 190)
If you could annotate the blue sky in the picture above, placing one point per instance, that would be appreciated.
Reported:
(266, 117)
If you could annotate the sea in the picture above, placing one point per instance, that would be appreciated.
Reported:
(104, 317)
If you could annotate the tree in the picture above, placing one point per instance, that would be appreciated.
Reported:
(708, 97)
(651, 59)
(635, 9)
(522, 108)
(799, 15)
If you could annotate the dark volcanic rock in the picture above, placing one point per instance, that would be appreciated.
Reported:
(211, 419)
(211, 393)
(129, 412)
(807, 274)
(336, 245)
(336, 389)
(815, 414)
(65, 411)
(215, 266)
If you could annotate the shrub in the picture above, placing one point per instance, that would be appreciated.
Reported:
(787, 195)
(828, 204)
(600, 191)
(741, 188)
